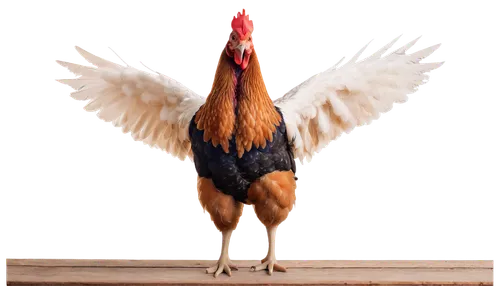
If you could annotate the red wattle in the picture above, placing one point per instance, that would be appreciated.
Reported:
(237, 57)
(244, 64)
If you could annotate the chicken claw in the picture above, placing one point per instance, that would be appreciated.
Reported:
(270, 264)
(224, 265)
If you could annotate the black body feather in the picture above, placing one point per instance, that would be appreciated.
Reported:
(232, 175)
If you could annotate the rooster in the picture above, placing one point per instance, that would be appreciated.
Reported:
(242, 143)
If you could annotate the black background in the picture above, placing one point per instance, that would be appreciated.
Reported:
(406, 189)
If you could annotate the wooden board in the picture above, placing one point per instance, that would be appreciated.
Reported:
(191, 272)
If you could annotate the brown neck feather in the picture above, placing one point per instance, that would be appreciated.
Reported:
(216, 117)
(257, 117)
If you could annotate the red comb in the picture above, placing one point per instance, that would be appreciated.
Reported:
(242, 25)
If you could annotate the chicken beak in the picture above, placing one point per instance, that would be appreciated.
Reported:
(239, 53)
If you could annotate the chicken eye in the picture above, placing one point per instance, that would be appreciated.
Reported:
(233, 38)
(250, 38)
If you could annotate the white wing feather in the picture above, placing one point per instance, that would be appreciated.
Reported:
(335, 101)
(154, 108)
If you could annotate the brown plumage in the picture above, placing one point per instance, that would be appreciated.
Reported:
(257, 116)
(216, 117)
(273, 196)
(224, 210)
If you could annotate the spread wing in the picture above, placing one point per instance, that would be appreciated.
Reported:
(339, 99)
(152, 107)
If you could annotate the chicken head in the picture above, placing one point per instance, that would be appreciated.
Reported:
(241, 40)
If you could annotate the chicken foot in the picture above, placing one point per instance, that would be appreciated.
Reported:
(224, 264)
(270, 262)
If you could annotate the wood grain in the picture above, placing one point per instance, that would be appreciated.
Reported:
(191, 272)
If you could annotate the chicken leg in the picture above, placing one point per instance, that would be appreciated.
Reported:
(270, 262)
(273, 196)
(226, 214)
(224, 264)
